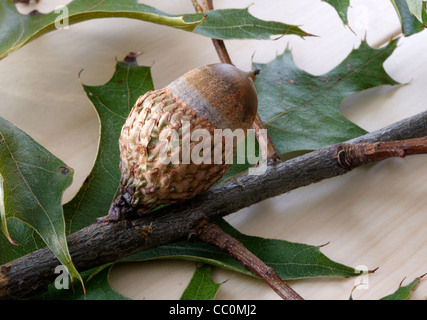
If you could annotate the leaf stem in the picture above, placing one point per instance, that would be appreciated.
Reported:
(214, 235)
(219, 45)
(221, 51)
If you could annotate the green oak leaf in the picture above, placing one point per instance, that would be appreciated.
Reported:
(341, 6)
(301, 111)
(404, 292)
(32, 185)
(410, 24)
(112, 102)
(18, 29)
(201, 286)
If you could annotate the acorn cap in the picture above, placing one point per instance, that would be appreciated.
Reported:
(221, 93)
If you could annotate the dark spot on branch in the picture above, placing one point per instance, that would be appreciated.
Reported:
(341, 157)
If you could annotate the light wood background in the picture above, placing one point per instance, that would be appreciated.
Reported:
(374, 216)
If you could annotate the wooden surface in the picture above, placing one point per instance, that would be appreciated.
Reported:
(374, 216)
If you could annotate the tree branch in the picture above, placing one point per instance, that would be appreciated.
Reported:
(101, 243)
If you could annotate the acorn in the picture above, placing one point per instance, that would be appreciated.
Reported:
(217, 96)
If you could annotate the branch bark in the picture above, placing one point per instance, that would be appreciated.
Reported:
(101, 243)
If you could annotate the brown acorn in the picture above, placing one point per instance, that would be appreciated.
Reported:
(217, 96)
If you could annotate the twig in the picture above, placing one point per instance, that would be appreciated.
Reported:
(221, 51)
(197, 6)
(214, 235)
(351, 156)
(102, 243)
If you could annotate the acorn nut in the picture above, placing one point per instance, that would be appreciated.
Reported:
(217, 96)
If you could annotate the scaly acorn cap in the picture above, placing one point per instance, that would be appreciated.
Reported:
(217, 96)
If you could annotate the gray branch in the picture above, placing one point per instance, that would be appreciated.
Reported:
(101, 243)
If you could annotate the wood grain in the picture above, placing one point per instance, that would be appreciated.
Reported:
(373, 216)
